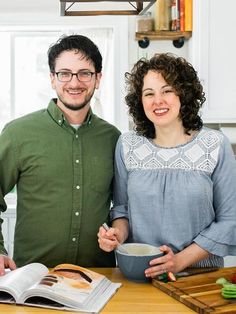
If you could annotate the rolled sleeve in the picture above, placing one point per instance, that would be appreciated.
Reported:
(220, 236)
(120, 208)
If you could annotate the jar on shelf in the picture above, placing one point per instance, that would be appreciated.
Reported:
(144, 23)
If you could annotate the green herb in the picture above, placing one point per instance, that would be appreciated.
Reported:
(229, 289)
(221, 281)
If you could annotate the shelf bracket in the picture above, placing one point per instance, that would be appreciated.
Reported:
(151, 2)
(178, 43)
(177, 37)
(144, 43)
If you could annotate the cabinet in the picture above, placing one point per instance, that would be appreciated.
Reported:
(212, 52)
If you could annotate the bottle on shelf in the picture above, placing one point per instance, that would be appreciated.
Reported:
(144, 23)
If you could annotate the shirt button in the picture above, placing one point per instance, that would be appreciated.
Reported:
(76, 135)
(59, 121)
(77, 161)
(76, 213)
(77, 187)
(73, 239)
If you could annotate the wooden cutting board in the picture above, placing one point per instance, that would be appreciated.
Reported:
(200, 292)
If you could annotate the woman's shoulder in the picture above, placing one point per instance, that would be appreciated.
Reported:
(210, 137)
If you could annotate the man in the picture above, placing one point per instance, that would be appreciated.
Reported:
(61, 160)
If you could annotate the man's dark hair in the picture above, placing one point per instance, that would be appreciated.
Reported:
(78, 43)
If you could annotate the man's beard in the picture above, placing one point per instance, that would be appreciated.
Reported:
(80, 106)
(75, 108)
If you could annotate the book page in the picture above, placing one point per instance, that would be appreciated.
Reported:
(15, 282)
(69, 285)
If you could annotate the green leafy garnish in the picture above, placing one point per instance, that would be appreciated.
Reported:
(222, 281)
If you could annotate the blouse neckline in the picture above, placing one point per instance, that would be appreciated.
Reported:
(177, 146)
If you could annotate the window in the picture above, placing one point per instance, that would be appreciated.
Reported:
(25, 81)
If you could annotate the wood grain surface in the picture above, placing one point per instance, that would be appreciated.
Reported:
(200, 292)
(131, 298)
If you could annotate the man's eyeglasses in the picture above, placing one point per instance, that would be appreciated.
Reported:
(82, 76)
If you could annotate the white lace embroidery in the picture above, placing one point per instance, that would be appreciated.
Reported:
(199, 154)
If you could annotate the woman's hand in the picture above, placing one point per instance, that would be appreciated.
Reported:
(117, 234)
(108, 239)
(163, 264)
(175, 263)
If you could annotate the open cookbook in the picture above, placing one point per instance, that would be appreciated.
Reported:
(65, 287)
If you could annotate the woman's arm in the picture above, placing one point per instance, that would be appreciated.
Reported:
(219, 237)
(176, 262)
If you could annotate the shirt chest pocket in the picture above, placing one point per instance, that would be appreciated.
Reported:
(101, 174)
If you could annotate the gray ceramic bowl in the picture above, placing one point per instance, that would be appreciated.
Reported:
(133, 263)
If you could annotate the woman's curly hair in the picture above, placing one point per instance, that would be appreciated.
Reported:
(181, 76)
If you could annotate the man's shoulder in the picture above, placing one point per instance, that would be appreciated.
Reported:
(25, 120)
(105, 125)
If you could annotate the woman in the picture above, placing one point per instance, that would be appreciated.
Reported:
(175, 182)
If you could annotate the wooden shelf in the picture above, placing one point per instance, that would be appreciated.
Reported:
(136, 9)
(163, 35)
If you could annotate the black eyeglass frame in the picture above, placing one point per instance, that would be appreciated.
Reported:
(76, 74)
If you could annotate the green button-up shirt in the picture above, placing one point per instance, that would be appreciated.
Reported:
(64, 183)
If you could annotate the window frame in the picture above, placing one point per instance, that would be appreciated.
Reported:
(120, 47)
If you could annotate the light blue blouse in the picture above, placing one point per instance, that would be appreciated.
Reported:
(180, 195)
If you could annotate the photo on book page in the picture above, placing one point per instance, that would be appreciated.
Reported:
(71, 282)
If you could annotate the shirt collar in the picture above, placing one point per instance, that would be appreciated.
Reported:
(58, 116)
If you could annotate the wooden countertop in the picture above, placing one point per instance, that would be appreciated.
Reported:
(130, 298)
